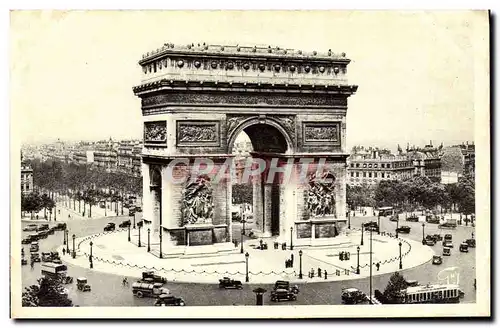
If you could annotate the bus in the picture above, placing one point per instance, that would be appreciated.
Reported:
(53, 270)
(432, 294)
(385, 211)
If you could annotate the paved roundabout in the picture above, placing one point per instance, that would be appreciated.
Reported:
(113, 253)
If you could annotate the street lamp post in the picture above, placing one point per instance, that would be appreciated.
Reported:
(300, 264)
(397, 228)
(67, 240)
(64, 237)
(423, 233)
(74, 253)
(400, 258)
(371, 264)
(349, 219)
(149, 234)
(134, 221)
(362, 228)
(357, 268)
(291, 238)
(246, 260)
(378, 223)
(241, 241)
(90, 258)
(139, 243)
(161, 237)
(129, 232)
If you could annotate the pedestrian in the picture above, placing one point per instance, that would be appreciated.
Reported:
(22, 252)
(64, 251)
(326, 275)
(125, 282)
(261, 242)
(32, 264)
(312, 273)
(319, 272)
(378, 266)
(474, 283)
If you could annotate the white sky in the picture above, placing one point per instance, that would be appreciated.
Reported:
(72, 73)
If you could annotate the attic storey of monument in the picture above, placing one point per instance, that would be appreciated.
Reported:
(197, 99)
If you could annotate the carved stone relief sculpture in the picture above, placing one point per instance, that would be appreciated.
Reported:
(320, 198)
(197, 202)
(155, 132)
(197, 133)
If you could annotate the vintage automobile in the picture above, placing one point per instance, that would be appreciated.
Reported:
(26, 241)
(448, 225)
(31, 227)
(430, 242)
(60, 226)
(394, 218)
(403, 229)
(138, 209)
(448, 237)
(464, 247)
(82, 285)
(57, 261)
(448, 243)
(24, 261)
(283, 284)
(131, 211)
(124, 224)
(437, 260)
(140, 224)
(230, 283)
(412, 218)
(169, 300)
(437, 237)
(35, 257)
(432, 219)
(34, 247)
(370, 224)
(42, 234)
(446, 251)
(51, 231)
(282, 295)
(471, 242)
(150, 275)
(43, 227)
(46, 257)
(353, 296)
(110, 227)
(145, 289)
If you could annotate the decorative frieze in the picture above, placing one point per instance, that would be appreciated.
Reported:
(198, 133)
(155, 132)
(321, 133)
(244, 99)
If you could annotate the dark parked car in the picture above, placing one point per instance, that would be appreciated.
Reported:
(471, 243)
(124, 224)
(430, 242)
(432, 219)
(412, 218)
(448, 225)
(60, 226)
(230, 283)
(282, 295)
(169, 300)
(110, 227)
(437, 237)
(403, 229)
(26, 241)
(437, 260)
(283, 284)
(150, 275)
(43, 227)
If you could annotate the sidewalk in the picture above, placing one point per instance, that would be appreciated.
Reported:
(112, 253)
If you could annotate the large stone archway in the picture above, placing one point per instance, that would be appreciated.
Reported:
(196, 100)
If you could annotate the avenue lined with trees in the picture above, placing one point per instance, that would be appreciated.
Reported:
(417, 193)
(79, 187)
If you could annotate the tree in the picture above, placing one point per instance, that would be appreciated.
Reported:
(242, 193)
(392, 291)
(48, 292)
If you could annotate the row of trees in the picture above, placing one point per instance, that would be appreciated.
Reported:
(416, 193)
(81, 185)
(34, 203)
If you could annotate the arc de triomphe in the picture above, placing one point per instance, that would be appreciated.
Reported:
(196, 99)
